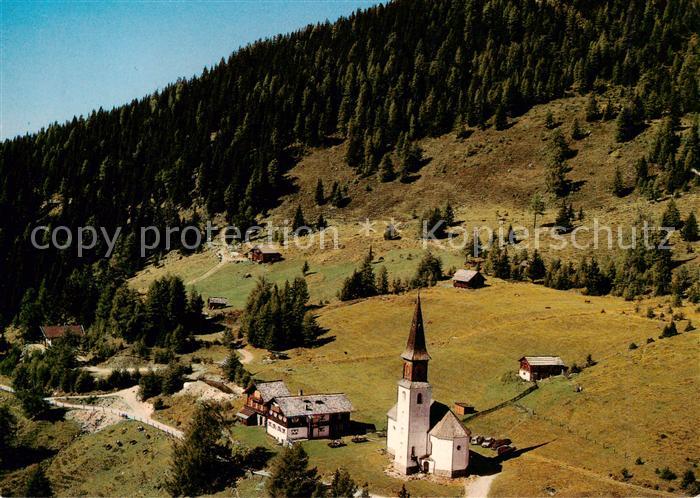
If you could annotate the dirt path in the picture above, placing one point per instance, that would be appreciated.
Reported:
(594, 475)
(208, 273)
(137, 409)
(246, 356)
(479, 487)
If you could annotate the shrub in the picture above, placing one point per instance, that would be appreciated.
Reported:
(625, 474)
(669, 331)
(639, 461)
(666, 474)
(632, 346)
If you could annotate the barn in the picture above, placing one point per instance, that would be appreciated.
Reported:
(468, 279)
(264, 254)
(533, 368)
(54, 332)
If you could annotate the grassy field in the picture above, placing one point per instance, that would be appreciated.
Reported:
(629, 398)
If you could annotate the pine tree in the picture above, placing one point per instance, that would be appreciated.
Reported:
(298, 221)
(386, 169)
(383, 281)
(319, 196)
(625, 127)
(500, 120)
(8, 429)
(321, 222)
(536, 269)
(290, 475)
(537, 207)
(576, 132)
(689, 232)
(305, 268)
(641, 168)
(38, 485)
(342, 485)
(200, 463)
(671, 217)
(618, 187)
(592, 110)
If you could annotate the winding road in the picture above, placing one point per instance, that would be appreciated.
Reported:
(138, 410)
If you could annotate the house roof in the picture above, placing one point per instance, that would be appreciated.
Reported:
(266, 249)
(465, 275)
(449, 427)
(415, 347)
(543, 360)
(217, 300)
(271, 390)
(56, 331)
(313, 404)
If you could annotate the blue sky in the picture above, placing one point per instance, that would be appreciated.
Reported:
(59, 59)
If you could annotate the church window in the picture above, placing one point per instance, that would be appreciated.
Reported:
(403, 393)
(419, 399)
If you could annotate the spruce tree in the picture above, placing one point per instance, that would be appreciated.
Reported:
(319, 197)
(298, 221)
(671, 217)
(201, 464)
(290, 475)
(618, 187)
(386, 169)
(625, 127)
(342, 485)
(689, 232)
(537, 207)
(592, 111)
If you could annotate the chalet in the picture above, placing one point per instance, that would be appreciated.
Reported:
(314, 416)
(264, 254)
(215, 303)
(468, 279)
(259, 400)
(533, 368)
(288, 418)
(53, 332)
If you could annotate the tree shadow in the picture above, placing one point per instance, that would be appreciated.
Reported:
(522, 451)
(480, 465)
(576, 185)
(464, 134)
(409, 179)
(22, 456)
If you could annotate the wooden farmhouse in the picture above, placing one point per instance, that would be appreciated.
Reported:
(54, 332)
(533, 368)
(290, 418)
(264, 254)
(215, 303)
(468, 279)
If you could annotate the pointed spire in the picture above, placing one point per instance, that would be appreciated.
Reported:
(415, 347)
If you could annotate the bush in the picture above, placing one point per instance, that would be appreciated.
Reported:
(639, 461)
(666, 474)
(632, 346)
(669, 331)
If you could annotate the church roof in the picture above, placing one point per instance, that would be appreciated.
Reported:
(449, 427)
(415, 347)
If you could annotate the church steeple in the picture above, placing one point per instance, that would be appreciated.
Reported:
(416, 354)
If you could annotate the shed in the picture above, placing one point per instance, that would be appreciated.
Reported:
(533, 368)
(264, 254)
(468, 279)
(462, 408)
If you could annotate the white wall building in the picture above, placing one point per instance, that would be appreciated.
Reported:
(423, 435)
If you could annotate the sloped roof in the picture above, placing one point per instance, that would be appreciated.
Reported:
(392, 413)
(56, 331)
(218, 300)
(415, 346)
(549, 361)
(449, 427)
(271, 390)
(313, 404)
(465, 275)
(266, 249)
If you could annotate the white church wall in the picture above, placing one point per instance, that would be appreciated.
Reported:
(441, 455)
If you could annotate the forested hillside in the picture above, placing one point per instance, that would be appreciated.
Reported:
(380, 79)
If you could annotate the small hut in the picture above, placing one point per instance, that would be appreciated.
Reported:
(264, 254)
(54, 332)
(216, 303)
(468, 279)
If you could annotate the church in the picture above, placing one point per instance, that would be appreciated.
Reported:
(424, 435)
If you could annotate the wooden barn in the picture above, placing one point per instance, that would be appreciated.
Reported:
(54, 332)
(468, 279)
(533, 368)
(215, 303)
(264, 254)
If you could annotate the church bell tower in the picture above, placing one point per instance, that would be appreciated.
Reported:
(414, 397)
